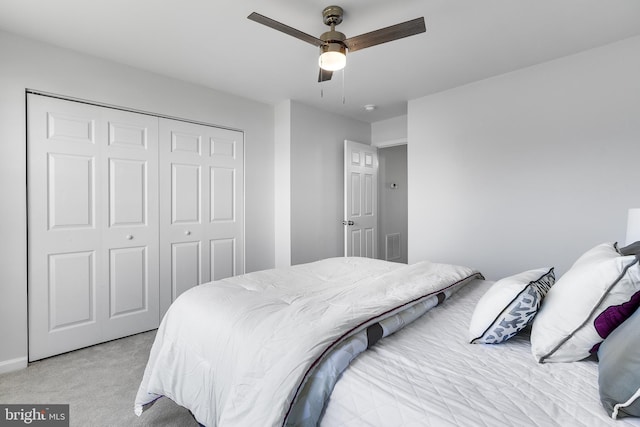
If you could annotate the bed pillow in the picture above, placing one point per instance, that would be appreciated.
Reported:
(632, 249)
(589, 301)
(619, 370)
(509, 306)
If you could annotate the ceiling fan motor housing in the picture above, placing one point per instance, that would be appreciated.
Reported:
(333, 37)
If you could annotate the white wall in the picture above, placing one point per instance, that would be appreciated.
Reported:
(317, 150)
(390, 131)
(282, 184)
(530, 168)
(27, 64)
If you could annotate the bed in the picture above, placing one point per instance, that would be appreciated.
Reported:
(352, 342)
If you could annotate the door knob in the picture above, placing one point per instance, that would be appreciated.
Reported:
(187, 233)
(345, 222)
(129, 237)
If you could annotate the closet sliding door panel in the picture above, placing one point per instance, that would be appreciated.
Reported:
(202, 206)
(131, 234)
(93, 224)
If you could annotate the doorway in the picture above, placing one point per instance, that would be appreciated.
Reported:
(392, 203)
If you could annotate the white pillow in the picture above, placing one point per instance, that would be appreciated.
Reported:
(600, 282)
(509, 306)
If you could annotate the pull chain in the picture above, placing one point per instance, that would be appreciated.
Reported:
(343, 74)
(321, 80)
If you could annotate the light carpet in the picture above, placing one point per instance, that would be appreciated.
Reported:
(99, 383)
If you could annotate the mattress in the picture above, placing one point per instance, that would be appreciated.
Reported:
(427, 374)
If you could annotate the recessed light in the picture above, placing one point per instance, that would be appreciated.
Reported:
(370, 107)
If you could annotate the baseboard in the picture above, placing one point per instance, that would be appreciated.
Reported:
(13, 365)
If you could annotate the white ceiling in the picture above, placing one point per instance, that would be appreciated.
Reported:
(212, 43)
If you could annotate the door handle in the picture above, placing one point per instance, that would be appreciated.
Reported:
(345, 222)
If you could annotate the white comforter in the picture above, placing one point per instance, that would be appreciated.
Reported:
(237, 352)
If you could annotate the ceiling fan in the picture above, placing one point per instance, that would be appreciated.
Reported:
(334, 44)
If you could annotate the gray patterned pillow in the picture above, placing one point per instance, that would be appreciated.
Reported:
(509, 306)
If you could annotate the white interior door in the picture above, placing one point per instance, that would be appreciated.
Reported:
(360, 199)
(93, 221)
(202, 207)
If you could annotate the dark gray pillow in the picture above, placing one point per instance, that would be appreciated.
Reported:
(619, 370)
(632, 249)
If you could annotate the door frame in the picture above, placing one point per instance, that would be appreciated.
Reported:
(404, 247)
(387, 144)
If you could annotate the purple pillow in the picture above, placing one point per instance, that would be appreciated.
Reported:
(613, 317)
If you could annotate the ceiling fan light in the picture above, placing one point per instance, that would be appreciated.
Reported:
(333, 56)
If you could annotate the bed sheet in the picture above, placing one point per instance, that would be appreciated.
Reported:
(429, 375)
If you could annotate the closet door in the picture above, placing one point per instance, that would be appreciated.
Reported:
(93, 224)
(202, 206)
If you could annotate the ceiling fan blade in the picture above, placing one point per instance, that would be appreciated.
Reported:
(324, 75)
(383, 35)
(261, 19)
